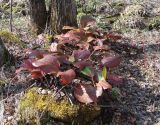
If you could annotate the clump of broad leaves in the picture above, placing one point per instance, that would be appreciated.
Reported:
(80, 59)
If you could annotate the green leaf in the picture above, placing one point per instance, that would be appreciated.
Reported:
(100, 77)
(87, 71)
(104, 72)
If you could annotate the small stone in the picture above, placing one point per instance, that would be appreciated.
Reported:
(44, 92)
(10, 118)
(39, 90)
(62, 94)
(49, 92)
(8, 113)
(76, 80)
(131, 61)
(18, 119)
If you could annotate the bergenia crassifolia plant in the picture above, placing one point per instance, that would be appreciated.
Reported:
(77, 54)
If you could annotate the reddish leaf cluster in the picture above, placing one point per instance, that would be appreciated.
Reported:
(40, 64)
(75, 50)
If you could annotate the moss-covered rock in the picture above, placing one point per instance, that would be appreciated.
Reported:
(118, 6)
(112, 9)
(34, 103)
(11, 38)
(132, 22)
(132, 17)
(135, 10)
(4, 54)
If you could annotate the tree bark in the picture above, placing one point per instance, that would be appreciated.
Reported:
(63, 13)
(38, 15)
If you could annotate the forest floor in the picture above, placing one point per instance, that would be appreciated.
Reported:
(140, 93)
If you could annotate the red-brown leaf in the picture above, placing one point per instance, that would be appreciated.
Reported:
(90, 39)
(100, 42)
(73, 35)
(104, 84)
(111, 61)
(104, 47)
(83, 64)
(36, 74)
(35, 53)
(100, 45)
(66, 77)
(47, 60)
(81, 54)
(62, 59)
(48, 69)
(83, 45)
(27, 64)
(19, 70)
(62, 39)
(85, 93)
(114, 79)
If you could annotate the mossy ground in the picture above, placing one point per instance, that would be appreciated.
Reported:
(11, 38)
(61, 109)
(153, 22)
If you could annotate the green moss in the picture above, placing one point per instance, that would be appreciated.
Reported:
(62, 109)
(11, 37)
(5, 6)
(2, 81)
(117, 4)
(112, 19)
(153, 22)
(48, 39)
(15, 8)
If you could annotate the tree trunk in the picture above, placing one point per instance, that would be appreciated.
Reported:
(4, 54)
(63, 13)
(38, 15)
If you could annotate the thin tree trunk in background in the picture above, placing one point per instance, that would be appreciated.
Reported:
(38, 15)
(63, 13)
(11, 16)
